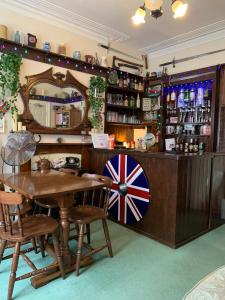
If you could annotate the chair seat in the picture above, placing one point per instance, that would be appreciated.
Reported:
(47, 202)
(86, 214)
(33, 226)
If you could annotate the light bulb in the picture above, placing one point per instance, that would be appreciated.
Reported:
(153, 4)
(139, 17)
(179, 8)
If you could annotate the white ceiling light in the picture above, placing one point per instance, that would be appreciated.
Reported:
(139, 17)
(179, 9)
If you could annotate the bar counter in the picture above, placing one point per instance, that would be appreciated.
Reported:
(186, 193)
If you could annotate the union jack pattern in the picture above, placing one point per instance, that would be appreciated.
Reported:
(130, 194)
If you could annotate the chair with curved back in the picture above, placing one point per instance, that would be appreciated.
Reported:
(94, 207)
(20, 231)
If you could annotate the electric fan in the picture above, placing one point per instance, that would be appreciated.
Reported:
(18, 149)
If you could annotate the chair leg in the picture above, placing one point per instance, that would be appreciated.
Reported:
(58, 254)
(14, 266)
(2, 249)
(34, 245)
(42, 245)
(88, 228)
(49, 215)
(79, 248)
(107, 238)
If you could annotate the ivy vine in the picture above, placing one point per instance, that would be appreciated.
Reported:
(96, 89)
(9, 82)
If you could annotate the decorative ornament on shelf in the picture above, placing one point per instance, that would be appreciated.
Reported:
(179, 9)
(31, 40)
(47, 46)
(9, 82)
(96, 89)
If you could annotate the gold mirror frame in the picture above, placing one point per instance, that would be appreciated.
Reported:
(59, 80)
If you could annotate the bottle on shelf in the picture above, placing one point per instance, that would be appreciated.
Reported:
(126, 102)
(120, 80)
(124, 81)
(136, 84)
(138, 101)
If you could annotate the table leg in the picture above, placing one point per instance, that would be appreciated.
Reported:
(65, 204)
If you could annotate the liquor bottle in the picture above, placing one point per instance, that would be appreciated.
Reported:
(195, 147)
(181, 145)
(187, 97)
(138, 101)
(200, 97)
(177, 145)
(192, 97)
(120, 81)
(135, 84)
(126, 100)
(186, 147)
(173, 98)
(180, 102)
(191, 146)
(124, 81)
(128, 81)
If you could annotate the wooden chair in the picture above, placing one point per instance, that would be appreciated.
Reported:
(22, 230)
(25, 209)
(94, 207)
(51, 203)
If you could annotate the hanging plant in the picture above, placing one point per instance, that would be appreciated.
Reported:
(9, 82)
(96, 89)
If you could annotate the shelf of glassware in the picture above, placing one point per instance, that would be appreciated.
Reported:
(188, 111)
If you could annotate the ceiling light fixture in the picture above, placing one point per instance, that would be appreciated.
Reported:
(139, 17)
(179, 9)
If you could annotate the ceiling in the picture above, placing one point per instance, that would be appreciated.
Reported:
(112, 19)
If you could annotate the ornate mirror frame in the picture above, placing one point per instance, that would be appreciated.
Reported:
(59, 80)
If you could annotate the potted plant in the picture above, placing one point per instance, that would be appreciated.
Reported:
(9, 82)
(96, 89)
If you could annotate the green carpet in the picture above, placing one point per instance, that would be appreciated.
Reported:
(141, 269)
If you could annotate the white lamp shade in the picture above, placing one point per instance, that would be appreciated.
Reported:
(179, 8)
(153, 4)
(139, 16)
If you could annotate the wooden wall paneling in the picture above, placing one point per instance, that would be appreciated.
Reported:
(217, 190)
(193, 201)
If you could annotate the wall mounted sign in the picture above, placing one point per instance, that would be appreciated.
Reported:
(130, 194)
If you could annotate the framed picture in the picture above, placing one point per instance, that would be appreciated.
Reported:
(170, 144)
(146, 104)
(2, 125)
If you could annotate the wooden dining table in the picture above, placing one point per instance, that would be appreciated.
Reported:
(61, 186)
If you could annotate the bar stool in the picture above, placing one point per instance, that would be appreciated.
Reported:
(93, 208)
(21, 231)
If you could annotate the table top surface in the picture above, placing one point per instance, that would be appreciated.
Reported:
(35, 184)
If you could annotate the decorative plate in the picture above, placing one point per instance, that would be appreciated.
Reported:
(149, 139)
(113, 78)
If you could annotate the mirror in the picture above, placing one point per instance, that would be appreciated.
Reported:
(56, 107)
(55, 103)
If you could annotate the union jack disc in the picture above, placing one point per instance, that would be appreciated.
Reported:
(130, 194)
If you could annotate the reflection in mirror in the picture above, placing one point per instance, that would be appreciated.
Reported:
(56, 107)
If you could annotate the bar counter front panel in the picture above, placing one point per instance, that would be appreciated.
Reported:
(180, 187)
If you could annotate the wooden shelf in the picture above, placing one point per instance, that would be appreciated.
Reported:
(57, 99)
(187, 123)
(52, 58)
(122, 107)
(187, 135)
(125, 90)
(125, 124)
